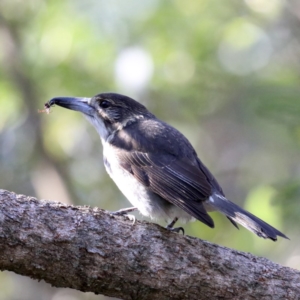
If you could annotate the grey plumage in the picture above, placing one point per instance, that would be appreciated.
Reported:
(156, 167)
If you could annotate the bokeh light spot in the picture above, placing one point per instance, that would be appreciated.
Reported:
(267, 7)
(245, 48)
(133, 68)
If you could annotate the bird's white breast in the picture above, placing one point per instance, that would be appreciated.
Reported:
(148, 203)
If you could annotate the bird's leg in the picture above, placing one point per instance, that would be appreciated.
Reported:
(125, 211)
(176, 229)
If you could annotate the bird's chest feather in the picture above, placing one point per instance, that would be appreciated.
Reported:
(148, 203)
(137, 194)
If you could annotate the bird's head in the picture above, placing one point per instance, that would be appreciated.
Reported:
(108, 112)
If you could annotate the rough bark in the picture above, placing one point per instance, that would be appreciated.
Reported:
(90, 250)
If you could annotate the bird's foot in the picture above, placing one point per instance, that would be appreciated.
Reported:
(124, 212)
(176, 229)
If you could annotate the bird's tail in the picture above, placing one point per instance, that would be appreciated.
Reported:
(236, 214)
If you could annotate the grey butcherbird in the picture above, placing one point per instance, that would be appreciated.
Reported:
(156, 167)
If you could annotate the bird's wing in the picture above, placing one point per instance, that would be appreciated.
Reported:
(175, 180)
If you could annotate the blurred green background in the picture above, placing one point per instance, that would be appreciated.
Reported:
(225, 73)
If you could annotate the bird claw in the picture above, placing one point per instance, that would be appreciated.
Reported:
(124, 212)
(131, 218)
(176, 229)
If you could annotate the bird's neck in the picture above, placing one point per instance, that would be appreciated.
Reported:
(113, 129)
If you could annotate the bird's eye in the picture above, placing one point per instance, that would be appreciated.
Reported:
(104, 104)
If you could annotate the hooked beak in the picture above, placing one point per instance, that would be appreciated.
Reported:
(74, 103)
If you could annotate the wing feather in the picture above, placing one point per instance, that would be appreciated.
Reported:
(178, 182)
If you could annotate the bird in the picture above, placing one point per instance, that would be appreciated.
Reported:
(156, 167)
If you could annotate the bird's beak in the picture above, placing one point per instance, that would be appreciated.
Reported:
(74, 103)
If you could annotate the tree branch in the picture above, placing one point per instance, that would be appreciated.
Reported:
(90, 250)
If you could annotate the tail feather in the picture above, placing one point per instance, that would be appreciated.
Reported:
(233, 223)
(236, 214)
